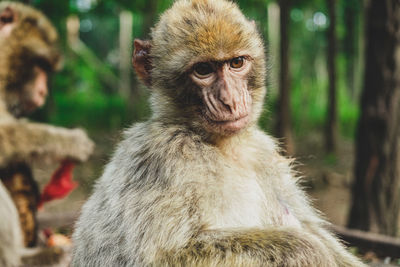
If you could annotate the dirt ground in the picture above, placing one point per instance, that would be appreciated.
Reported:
(326, 179)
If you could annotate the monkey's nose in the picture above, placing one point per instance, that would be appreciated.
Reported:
(226, 97)
(43, 92)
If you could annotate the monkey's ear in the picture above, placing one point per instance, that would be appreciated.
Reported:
(7, 19)
(7, 16)
(141, 60)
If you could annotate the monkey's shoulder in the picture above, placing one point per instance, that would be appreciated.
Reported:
(153, 153)
(156, 141)
(157, 138)
(148, 147)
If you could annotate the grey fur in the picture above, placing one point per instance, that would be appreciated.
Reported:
(10, 235)
(176, 195)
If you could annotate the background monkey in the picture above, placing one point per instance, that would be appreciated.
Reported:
(199, 184)
(10, 234)
(28, 55)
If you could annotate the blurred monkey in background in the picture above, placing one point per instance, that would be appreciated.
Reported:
(200, 184)
(28, 55)
(11, 243)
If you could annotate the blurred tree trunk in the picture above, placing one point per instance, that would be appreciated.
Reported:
(150, 15)
(125, 44)
(331, 123)
(352, 10)
(376, 191)
(284, 121)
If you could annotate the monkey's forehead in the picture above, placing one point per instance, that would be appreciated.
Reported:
(201, 30)
(33, 35)
(34, 16)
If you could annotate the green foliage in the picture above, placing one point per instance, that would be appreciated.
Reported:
(348, 108)
(86, 103)
(92, 110)
(82, 95)
(309, 74)
(331, 159)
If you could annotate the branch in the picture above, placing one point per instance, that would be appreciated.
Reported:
(382, 245)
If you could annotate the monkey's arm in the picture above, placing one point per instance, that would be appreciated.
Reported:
(342, 256)
(299, 208)
(21, 140)
(10, 233)
(269, 247)
(314, 225)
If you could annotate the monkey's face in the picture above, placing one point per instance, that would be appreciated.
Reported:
(223, 87)
(205, 65)
(35, 92)
(27, 97)
(29, 53)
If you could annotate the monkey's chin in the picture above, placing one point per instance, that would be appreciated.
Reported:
(228, 127)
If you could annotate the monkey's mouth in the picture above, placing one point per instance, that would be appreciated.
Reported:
(229, 126)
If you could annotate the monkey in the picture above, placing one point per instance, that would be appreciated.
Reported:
(199, 184)
(12, 250)
(29, 54)
(10, 235)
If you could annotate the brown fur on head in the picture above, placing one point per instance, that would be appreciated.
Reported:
(27, 40)
(192, 32)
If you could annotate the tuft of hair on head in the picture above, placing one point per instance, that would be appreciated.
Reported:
(33, 32)
(201, 30)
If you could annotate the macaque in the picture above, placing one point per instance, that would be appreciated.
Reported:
(28, 55)
(199, 184)
(10, 235)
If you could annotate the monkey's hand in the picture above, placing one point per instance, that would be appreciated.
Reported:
(342, 256)
(21, 140)
(81, 147)
(272, 247)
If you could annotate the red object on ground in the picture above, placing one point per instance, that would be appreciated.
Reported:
(60, 184)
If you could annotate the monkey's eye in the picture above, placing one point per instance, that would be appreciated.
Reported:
(237, 62)
(203, 69)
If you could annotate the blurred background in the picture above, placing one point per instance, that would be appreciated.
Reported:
(317, 60)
